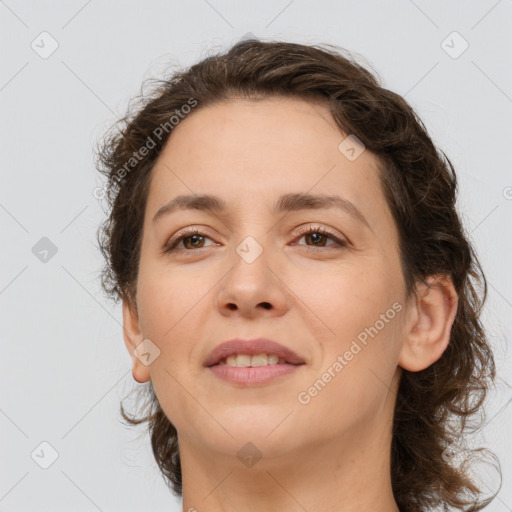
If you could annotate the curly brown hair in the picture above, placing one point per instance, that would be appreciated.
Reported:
(433, 405)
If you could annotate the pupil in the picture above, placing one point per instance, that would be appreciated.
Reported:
(315, 237)
(193, 239)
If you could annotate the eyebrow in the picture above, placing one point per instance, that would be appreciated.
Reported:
(286, 203)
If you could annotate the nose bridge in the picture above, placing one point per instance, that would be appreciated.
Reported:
(250, 250)
(251, 259)
(252, 227)
(252, 281)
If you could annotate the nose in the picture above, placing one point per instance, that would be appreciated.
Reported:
(253, 286)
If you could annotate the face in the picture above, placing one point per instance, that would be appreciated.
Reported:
(334, 295)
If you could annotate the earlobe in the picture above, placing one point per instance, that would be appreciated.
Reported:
(428, 335)
(132, 338)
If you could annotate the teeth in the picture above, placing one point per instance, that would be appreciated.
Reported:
(245, 360)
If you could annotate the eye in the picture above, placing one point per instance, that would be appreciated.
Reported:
(192, 239)
(320, 234)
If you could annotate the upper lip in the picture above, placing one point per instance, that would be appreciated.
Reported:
(251, 347)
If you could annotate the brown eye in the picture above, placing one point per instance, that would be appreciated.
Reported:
(316, 237)
(195, 241)
(319, 236)
(191, 240)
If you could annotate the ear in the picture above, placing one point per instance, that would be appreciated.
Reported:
(132, 337)
(432, 317)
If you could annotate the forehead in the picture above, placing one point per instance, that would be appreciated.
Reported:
(249, 151)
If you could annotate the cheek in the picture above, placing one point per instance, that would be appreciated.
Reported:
(169, 312)
(167, 296)
(362, 309)
(345, 298)
(170, 309)
(355, 377)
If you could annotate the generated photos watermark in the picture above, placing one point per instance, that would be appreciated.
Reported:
(158, 134)
(305, 397)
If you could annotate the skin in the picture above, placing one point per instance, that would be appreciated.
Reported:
(331, 454)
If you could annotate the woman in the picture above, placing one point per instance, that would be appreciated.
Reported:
(298, 292)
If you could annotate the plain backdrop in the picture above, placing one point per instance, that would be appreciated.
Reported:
(68, 70)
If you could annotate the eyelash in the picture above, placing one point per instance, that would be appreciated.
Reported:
(171, 246)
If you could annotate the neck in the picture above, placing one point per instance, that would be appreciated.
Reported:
(345, 474)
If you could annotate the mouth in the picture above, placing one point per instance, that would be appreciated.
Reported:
(245, 376)
(248, 361)
(255, 353)
(255, 362)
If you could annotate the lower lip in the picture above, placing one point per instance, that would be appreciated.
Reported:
(252, 375)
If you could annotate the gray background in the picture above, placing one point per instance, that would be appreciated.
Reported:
(64, 366)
